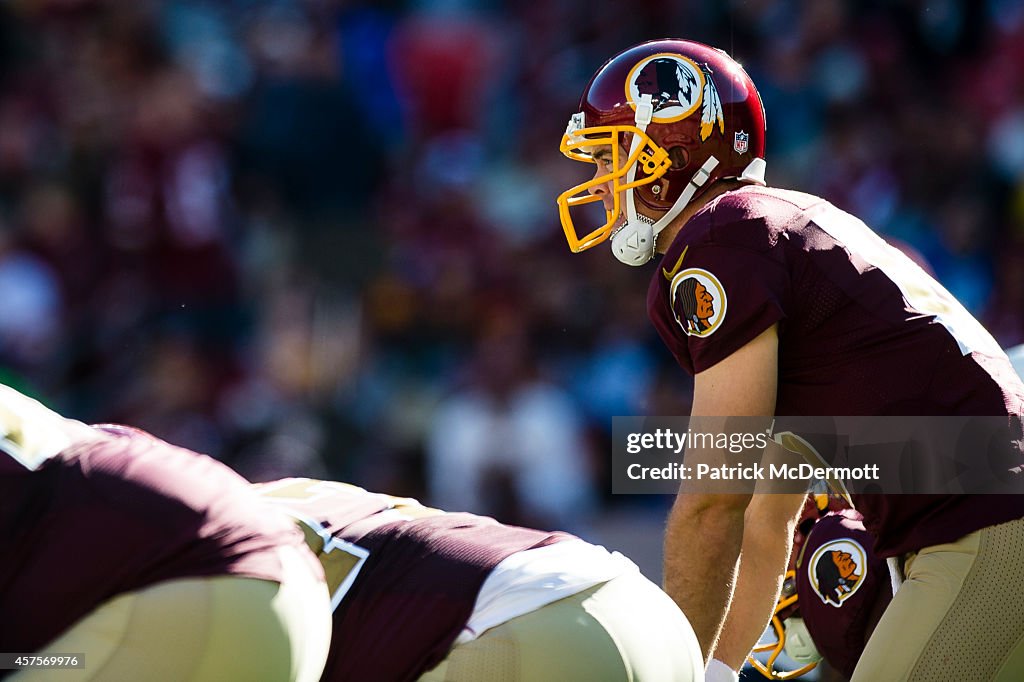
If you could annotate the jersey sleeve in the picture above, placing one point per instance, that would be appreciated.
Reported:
(716, 299)
(842, 588)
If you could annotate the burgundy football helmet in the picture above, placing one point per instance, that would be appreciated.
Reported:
(677, 116)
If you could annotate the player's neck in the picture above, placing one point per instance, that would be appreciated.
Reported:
(668, 235)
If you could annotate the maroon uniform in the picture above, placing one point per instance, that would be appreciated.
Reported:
(404, 578)
(862, 331)
(115, 512)
(842, 587)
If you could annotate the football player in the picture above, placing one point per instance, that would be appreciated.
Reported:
(810, 625)
(805, 312)
(421, 594)
(146, 561)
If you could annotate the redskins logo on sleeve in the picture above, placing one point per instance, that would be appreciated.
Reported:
(698, 301)
(837, 569)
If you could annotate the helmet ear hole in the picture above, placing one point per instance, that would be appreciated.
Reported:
(679, 157)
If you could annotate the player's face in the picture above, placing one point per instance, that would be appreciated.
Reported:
(605, 165)
(705, 302)
(844, 562)
(602, 154)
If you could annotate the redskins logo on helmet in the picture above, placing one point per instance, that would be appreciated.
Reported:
(663, 121)
(673, 82)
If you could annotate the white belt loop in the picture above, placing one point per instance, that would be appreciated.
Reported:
(895, 574)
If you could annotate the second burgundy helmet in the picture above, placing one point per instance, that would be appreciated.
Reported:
(678, 115)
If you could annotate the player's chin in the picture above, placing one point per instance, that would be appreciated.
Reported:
(619, 223)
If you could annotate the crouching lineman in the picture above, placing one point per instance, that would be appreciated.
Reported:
(835, 592)
(421, 594)
(146, 561)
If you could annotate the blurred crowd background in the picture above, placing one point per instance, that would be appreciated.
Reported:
(320, 236)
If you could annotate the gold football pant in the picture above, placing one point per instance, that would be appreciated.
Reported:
(959, 615)
(205, 629)
(624, 629)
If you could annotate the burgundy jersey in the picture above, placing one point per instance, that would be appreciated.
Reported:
(842, 588)
(862, 331)
(403, 578)
(118, 511)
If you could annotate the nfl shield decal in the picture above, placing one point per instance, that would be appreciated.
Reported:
(741, 142)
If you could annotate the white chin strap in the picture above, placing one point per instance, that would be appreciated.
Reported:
(633, 243)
